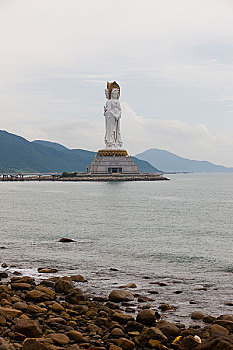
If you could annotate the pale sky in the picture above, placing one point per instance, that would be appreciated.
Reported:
(172, 59)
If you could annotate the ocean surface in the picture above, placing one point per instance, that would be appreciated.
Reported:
(178, 232)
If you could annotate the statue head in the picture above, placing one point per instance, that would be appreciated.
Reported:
(113, 88)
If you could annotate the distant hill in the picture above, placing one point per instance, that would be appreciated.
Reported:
(170, 162)
(19, 155)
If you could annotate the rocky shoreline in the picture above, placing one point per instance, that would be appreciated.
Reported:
(86, 177)
(55, 313)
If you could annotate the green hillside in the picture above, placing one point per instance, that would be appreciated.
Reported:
(19, 155)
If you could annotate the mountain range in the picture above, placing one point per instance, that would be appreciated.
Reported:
(18, 155)
(170, 162)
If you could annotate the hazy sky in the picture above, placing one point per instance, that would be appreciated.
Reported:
(173, 60)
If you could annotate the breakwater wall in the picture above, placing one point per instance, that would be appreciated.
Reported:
(85, 177)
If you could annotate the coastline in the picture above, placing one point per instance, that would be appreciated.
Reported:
(86, 177)
(55, 313)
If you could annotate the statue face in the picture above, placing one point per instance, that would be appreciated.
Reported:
(114, 94)
(106, 93)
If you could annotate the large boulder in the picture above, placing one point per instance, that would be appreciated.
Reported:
(146, 317)
(63, 285)
(36, 296)
(197, 315)
(168, 328)
(78, 278)
(118, 295)
(30, 328)
(74, 297)
(217, 342)
(226, 324)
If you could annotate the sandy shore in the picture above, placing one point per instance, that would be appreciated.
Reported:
(54, 313)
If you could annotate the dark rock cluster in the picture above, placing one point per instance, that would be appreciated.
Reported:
(55, 314)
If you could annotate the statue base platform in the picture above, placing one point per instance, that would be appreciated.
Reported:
(112, 162)
(112, 153)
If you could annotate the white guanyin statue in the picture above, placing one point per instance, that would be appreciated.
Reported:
(112, 113)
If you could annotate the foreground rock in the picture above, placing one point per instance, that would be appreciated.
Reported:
(66, 240)
(118, 295)
(55, 315)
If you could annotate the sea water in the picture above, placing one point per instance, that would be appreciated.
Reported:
(178, 232)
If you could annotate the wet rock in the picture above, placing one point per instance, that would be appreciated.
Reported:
(216, 328)
(188, 343)
(78, 278)
(46, 270)
(125, 344)
(3, 274)
(144, 299)
(5, 346)
(209, 319)
(56, 307)
(29, 328)
(75, 336)
(35, 309)
(81, 309)
(217, 342)
(152, 291)
(19, 305)
(24, 279)
(146, 317)
(197, 315)
(37, 344)
(133, 326)
(75, 296)
(151, 333)
(63, 285)
(21, 286)
(9, 312)
(49, 292)
(168, 328)
(122, 317)
(2, 320)
(117, 332)
(35, 295)
(225, 323)
(99, 299)
(117, 295)
(129, 285)
(165, 307)
(161, 284)
(59, 338)
(17, 273)
(66, 240)
(114, 347)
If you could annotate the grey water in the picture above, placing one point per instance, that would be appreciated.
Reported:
(178, 232)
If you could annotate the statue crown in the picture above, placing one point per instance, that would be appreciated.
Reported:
(111, 86)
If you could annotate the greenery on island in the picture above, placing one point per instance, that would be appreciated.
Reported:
(17, 155)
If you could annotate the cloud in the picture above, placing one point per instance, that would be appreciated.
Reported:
(138, 134)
